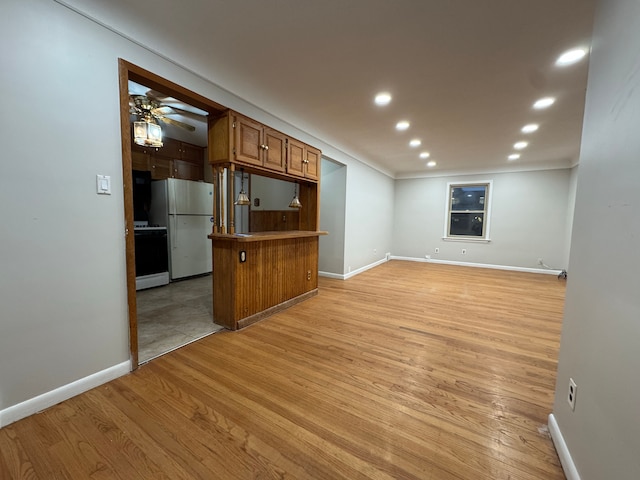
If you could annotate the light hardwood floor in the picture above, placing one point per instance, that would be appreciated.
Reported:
(407, 371)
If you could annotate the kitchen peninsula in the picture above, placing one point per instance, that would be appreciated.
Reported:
(256, 274)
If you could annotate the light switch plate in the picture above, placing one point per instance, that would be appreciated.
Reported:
(103, 184)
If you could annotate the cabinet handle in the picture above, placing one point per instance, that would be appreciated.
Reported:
(266, 147)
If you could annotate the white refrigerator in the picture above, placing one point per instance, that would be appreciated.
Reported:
(185, 207)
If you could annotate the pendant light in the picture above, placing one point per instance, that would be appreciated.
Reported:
(243, 198)
(295, 202)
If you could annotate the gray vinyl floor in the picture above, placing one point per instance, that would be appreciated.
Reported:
(173, 315)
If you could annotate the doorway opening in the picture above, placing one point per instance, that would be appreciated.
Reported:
(167, 253)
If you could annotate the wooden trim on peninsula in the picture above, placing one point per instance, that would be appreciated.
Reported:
(245, 322)
(265, 236)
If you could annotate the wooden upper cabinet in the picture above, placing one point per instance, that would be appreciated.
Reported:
(303, 160)
(174, 159)
(241, 140)
(192, 153)
(161, 168)
(275, 153)
(170, 148)
(295, 158)
(140, 160)
(258, 145)
(313, 163)
(248, 141)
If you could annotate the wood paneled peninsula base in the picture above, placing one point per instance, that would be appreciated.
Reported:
(258, 274)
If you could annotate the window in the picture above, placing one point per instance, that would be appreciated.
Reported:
(468, 211)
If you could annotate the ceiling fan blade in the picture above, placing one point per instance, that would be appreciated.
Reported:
(155, 95)
(171, 121)
(198, 117)
(163, 110)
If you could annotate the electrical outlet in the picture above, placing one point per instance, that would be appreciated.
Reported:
(464, 251)
(571, 395)
(540, 261)
(428, 257)
(436, 250)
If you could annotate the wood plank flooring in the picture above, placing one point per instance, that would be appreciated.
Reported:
(407, 371)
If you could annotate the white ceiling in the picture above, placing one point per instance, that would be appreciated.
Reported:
(463, 72)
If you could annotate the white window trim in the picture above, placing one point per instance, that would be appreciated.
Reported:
(447, 219)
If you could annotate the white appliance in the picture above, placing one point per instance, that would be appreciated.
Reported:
(185, 207)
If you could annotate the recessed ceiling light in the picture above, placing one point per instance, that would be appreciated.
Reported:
(571, 56)
(402, 125)
(520, 145)
(415, 143)
(431, 163)
(425, 155)
(544, 102)
(514, 156)
(382, 99)
(532, 127)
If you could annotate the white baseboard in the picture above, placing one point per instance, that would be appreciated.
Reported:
(479, 265)
(49, 399)
(331, 275)
(355, 272)
(365, 268)
(570, 470)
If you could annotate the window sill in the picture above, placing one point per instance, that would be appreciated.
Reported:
(466, 239)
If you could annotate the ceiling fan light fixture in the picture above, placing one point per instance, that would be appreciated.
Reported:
(147, 133)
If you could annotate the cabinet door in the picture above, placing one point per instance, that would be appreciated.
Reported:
(170, 149)
(161, 168)
(295, 157)
(188, 170)
(312, 163)
(275, 154)
(139, 161)
(192, 153)
(248, 141)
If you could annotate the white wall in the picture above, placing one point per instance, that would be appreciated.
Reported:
(600, 345)
(571, 206)
(63, 304)
(528, 219)
(333, 190)
(369, 216)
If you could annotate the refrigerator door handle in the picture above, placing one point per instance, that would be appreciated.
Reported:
(174, 232)
(173, 213)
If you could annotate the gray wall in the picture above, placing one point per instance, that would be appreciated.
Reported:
(600, 346)
(63, 303)
(273, 194)
(528, 219)
(369, 217)
(332, 215)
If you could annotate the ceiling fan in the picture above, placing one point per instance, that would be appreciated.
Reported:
(150, 108)
(153, 108)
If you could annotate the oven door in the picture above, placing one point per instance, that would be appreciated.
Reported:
(152, 258)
